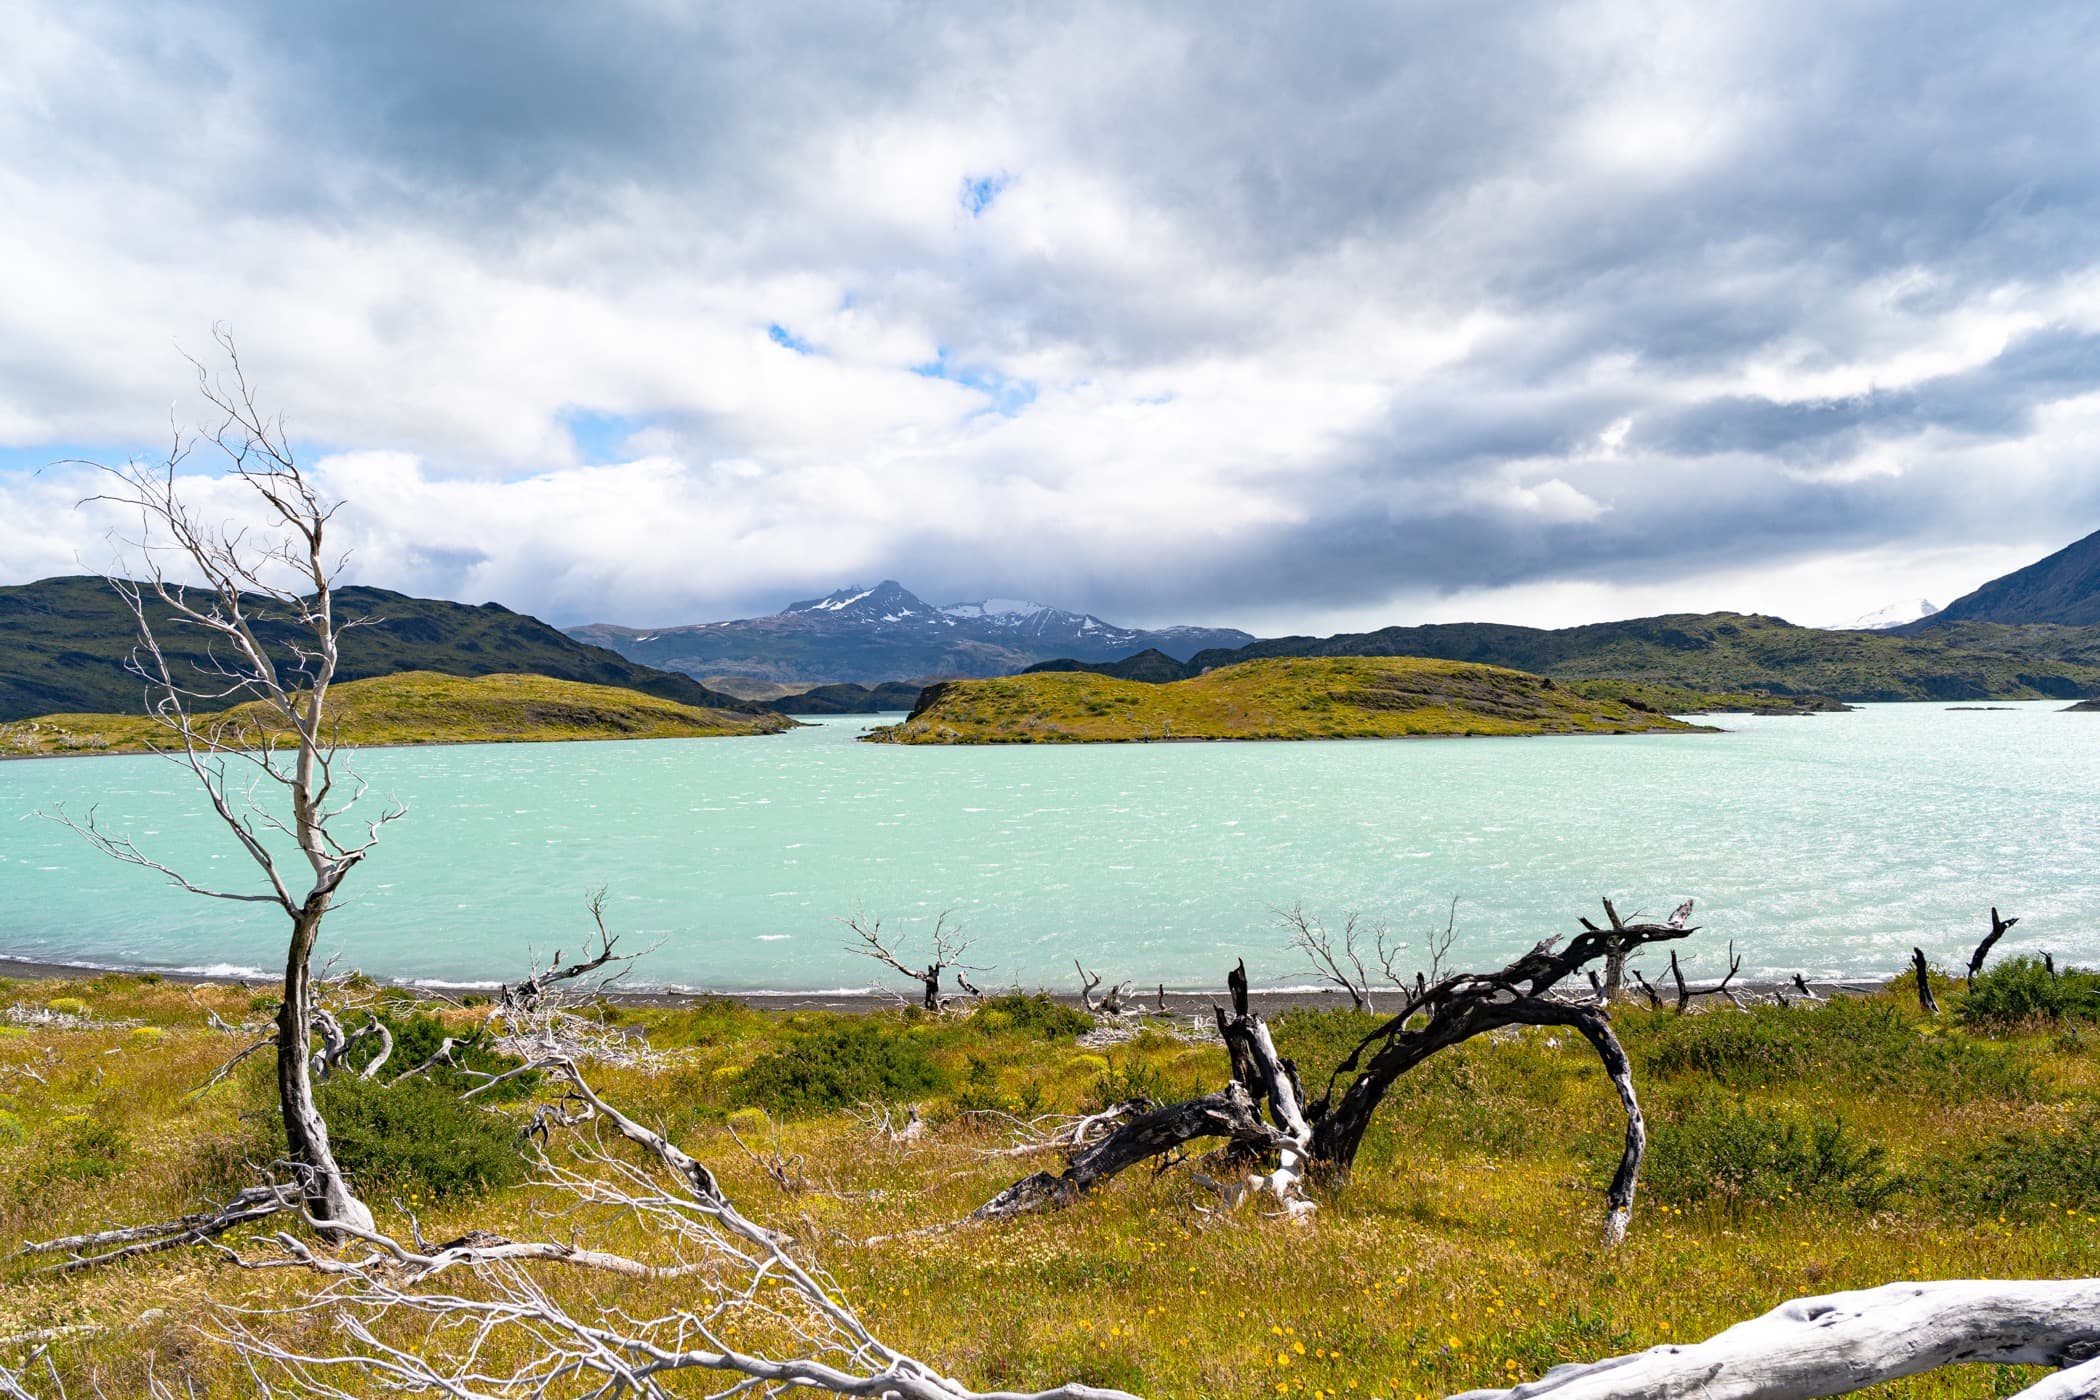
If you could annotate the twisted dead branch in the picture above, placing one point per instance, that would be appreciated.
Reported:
(1303, 1133)
(761, 1319)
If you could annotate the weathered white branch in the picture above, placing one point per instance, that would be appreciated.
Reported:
(1842, 1342)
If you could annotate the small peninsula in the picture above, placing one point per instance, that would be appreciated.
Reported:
(1278, 698)
(422, 707)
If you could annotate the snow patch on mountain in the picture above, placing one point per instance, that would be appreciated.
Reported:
(1881, 619)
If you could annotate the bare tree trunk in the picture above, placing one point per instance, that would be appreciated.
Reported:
(1927, 1002)
(327, 1191)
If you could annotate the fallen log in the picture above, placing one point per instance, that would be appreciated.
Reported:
(1842, 1342)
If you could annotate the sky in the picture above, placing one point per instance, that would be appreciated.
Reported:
(1295, 319)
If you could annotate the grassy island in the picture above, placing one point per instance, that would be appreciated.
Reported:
(1382, 697)
(423, 707)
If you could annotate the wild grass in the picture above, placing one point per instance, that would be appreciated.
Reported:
(1282, 698)
(1794, 1152)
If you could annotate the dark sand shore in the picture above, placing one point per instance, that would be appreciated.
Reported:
(1180, 1003)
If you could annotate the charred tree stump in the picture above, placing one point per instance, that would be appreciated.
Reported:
(1324, 1134)
(1983, 949)
(1927, 1002)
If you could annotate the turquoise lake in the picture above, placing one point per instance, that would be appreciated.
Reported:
(1828, 845)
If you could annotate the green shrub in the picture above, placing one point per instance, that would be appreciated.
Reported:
(418, 1136)
(417, 1038)
(66, 1006)
(12, 1133)
(843, 1062)
(1035, 1014)
(89, 1150)
(2021, 989)
(1864, 1041)
(2026, 1171)
(1741, 1155)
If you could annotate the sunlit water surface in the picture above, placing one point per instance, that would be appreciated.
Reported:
(1829, 844)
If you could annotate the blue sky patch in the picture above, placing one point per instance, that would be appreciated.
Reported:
(601, 437)
(979, 191)
(1008, 395)
(781, 335)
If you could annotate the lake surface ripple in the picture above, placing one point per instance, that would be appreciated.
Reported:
(1828, 845)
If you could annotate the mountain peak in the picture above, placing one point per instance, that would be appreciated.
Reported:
(2063, 589)
(888, 599)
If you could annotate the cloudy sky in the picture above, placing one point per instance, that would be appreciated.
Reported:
(1295, 319)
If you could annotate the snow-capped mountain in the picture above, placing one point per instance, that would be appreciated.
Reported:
(1894, 615)
(868, 635)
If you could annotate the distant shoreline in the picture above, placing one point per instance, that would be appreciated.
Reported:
(1181, 1002)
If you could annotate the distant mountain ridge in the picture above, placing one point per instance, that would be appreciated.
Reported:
(1715, 652)
(2062, 590)
(868, 636)
(64, 641)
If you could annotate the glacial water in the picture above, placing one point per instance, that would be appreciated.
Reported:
(1829, 845)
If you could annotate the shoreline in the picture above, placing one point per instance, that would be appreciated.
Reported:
(1177, 1002)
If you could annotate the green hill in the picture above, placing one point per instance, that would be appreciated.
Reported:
(1736, 652)
(422, 707)
(63, 643)
(1282, 698)
(2063, 589)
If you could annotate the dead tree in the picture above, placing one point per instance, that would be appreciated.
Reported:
(266, 610)
(1927, 1002)
(1844, 1342)
(756, 1317)
(1618, 947)
(1324, 1134)
(1111, 1002)
(1983, 949)
(948, 949)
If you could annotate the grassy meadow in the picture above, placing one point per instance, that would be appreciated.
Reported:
(1281, 698)
(419, 707)
(1792, 1151)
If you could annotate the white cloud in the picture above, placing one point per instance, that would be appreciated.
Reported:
(1583, 309)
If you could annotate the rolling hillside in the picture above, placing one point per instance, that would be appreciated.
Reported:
(1282, 698)
(2063, 589)
(1728, 652)
(63, 643)
(422, 707)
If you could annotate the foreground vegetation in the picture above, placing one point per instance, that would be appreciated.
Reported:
(1463, 1252)
(418, 707)
(1283, 698)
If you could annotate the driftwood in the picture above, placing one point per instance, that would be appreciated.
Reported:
(1927, 1002)
(1112, 1000)
(1844, 1342)
(1983, 950)
(1306, 1134)
(109, 1246)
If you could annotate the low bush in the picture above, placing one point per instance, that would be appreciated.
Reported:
(1743, 1155)
(87, 1149)
(418, 1036)
(1867, 1042)
(418, 1137)
(2023, 989)
(843, 1062)
(2026, 1171)
(1035, 1014)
